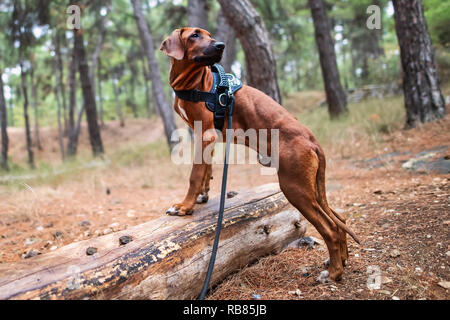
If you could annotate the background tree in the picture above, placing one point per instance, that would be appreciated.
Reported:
(226, 34)
(88, 94)
(35, 101)
(3, 125)
(336, 97)
(198, 13)
(164, 109)
(256, 43)
(423, 98)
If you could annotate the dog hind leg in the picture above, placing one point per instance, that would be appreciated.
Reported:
(298, 183)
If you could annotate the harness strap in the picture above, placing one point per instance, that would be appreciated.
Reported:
(220, 98)
(196, 95)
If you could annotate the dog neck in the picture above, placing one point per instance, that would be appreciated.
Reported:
(184, 75)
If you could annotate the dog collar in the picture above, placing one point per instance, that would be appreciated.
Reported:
(219, 99)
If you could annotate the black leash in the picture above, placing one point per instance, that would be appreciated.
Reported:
(220, 101)
(212, 260)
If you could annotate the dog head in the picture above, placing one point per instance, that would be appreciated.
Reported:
(194, 45)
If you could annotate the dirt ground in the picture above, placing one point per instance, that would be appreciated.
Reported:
(402, 217)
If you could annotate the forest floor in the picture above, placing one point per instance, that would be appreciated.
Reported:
(392, 194)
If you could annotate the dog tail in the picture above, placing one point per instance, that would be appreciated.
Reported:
(322, 196)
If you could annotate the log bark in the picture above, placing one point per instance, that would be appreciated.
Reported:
(423, 97)
(336, 98)
(256, 43)
(167, 258)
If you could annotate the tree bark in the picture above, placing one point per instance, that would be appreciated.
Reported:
(118, 104)
(3, 126)
(89, 103)
(148, 107)
(161, 103)
(11, 108)
(167, 257)
(72, 142)
(423, 98)
(58, 105)
(256, 43)
(365, 42)
(100, 95)
(34, 96)
(226, 34)
(198, 13)
(61, 86)
(95, 58)
(25, 110)
(336, 97)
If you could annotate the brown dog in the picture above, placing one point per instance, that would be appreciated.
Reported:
(301, 171)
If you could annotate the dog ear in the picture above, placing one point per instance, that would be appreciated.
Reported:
(172, 46)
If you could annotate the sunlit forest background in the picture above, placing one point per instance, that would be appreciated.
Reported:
(365, 57)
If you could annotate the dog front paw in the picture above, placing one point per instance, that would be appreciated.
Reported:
(179, 210)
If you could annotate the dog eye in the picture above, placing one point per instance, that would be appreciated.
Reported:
(195, 35)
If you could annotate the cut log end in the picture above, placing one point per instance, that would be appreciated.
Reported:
(167, 257)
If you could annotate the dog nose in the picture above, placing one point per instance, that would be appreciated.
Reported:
(219, 45)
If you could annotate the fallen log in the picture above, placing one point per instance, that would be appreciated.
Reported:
(164, 258)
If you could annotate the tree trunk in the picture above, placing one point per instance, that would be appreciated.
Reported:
(167, 257)
(336, 98)
(161, 103)
(61, 86)
(58, 105)
(131, 99)
(256, 43)
(88, 95)
(365, 43)
(3, 126)
(147, 89)
(11, 108)
(423, 98)
(118, 104)
(25, 110)
(95, 58)
(226, 34)
(100, 95)
(198, 13)
(72, 142)
(34, 96)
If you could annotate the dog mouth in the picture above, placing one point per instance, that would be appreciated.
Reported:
(208, 60)
(210, 56)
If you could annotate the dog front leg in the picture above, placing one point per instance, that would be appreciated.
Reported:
(203, 197)
(196, 180)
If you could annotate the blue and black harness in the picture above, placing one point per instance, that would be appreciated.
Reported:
(220, 100)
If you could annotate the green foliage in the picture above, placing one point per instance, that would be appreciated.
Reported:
(364, 125)
(437, 14)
